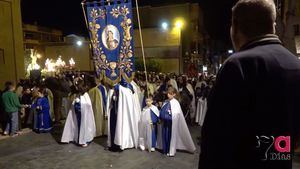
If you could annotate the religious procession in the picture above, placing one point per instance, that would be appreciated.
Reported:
(136, 114)
(142, 110)
(155, 97)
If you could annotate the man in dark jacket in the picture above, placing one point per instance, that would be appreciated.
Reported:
(253, 110)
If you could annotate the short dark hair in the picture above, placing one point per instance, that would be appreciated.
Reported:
(43, 90)
(254, 17)
(8, 85)
(81, 87)
(172, 90)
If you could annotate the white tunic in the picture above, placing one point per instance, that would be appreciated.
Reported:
(138, 94)
(193, 103)
(181, 138)
(145, 127)
(128, 115)
(201, 111)
(174, 83)
(87, 126)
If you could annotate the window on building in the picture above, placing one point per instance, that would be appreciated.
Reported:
(29, 35)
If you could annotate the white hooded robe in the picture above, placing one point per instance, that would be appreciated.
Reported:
(145, 127)
(128, 115)
(181, 138)
(87, 126)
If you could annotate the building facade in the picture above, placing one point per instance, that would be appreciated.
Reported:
(173, 49)
(73, 46)
(11, 42)
(288, 24)
(35, 36)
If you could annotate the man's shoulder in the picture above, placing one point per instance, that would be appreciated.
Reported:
(265, 52)
(7, 93)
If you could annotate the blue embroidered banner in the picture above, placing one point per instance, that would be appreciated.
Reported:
(111, 31)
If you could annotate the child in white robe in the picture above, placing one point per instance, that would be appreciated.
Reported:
(174, 133)
(148, 126)
(80, 124)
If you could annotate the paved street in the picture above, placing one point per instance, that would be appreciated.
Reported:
(41, 151)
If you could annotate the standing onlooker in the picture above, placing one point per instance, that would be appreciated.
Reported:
(186, 96)
(2, 114)
(253, 110)
(26, 100)
(42, 108)
(12, 106)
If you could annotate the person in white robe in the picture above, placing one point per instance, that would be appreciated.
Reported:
(173, 133)
(138, 93)
(173, 83)
(151, 88)
(80, 123)
(193, 103)
(201, 111)
(124, 112)
(148, 126)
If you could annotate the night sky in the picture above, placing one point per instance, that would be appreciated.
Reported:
(67, 15)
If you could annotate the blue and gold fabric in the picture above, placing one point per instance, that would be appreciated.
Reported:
(111, 29)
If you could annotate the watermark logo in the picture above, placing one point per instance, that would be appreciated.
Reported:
(278, 148)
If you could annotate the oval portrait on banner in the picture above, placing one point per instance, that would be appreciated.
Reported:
(111, 37)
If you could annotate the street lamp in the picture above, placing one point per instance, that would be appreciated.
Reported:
(79, 43)
(164, 25)
(179, 24)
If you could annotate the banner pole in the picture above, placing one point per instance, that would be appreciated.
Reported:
(84, 14)
(142, 45)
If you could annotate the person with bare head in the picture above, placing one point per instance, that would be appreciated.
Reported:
(174, 133)
(11, 106)
(252, 19)
(148, 126)
(80, 124)
(42, 119)
(255, 94)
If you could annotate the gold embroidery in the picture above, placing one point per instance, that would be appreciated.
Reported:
(100, 60)
(126, 50)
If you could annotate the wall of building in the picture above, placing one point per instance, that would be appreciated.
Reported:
(11, 42)
(169, 65)
(288, 24)
(191, 40)
(80, 54)
(161, 45)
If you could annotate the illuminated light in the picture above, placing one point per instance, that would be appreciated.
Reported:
(179, 24)
(60, 62)
(164, 25)
(204, 68)
(39, 56)
(79, 43)
(72, 62)
(36, 67)
(50, 65)
(230, 51)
